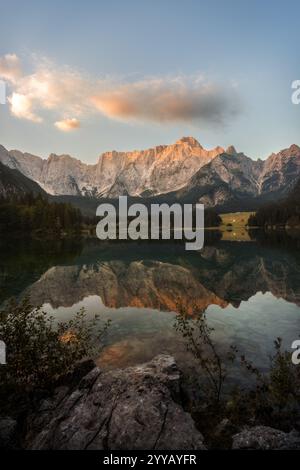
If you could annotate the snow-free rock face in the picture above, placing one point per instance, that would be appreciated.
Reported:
(214, 177)
(156, 170)
(281, 171)
(232, 176)
(128, 409)
(226, 177)
(13, 183)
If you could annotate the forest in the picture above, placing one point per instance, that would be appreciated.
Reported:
(285, 213)
(35, 214)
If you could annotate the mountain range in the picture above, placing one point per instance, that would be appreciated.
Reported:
(182, 171)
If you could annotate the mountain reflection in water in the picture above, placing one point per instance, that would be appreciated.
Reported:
(249, 290)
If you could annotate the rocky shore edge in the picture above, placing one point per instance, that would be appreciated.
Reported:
(139, 407)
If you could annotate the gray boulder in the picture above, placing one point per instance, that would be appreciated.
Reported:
(135, 408)
(266, 438)
(8, 433)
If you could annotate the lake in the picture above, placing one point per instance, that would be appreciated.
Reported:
(249, 290)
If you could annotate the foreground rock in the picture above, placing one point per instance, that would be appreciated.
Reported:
(266, 438)
(135, 408)
(8, 433)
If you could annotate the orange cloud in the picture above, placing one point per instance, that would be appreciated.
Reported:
(168, 100)
(65, 92)
(67, 125)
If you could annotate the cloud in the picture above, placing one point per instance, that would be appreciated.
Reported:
(168, 100)
(55, 92)
(60, 91)
(67, 124)
(21, 107)
(10, 68)
(47, 89)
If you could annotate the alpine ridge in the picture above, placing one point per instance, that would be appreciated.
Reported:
(148, 172)
(181, 171)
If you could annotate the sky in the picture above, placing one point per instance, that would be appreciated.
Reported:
(84, 77)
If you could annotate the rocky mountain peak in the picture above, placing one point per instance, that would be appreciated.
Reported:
(160, 170)
(14, 183)
(218, 150)
(294, 149)
(191, 141)
(54, 156)
(2, 149)
(231, 150)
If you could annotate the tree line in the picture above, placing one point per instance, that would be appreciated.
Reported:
(34, 213)
(283, 213)
(31, 213)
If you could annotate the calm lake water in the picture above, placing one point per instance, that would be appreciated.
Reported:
(249, 290)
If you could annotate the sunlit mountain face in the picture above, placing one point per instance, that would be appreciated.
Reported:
(183, 171)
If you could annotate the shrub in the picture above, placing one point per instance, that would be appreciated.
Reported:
(273, 400)
(199, 342)
(39, 350)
